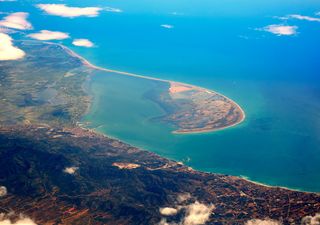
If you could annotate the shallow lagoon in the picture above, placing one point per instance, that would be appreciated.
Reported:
(216, 45)
(272, 146)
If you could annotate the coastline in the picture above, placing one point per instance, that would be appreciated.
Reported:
(97, 163)
(90, 65)
(204, 131)
(87, 63)
(245, 178)
(274, 186)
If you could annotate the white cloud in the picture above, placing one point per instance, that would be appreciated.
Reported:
(262, 222)
(301, 17)
(8, 0)
(70, 170)
(7, 50)
(16, 20)
(167, 26)
(311, 220)
(71, 12)
(5, 219)
(281, 30)
(110, 9)
(197, 213)
(167, 211)
(83, 43)
(280, 17)
(46, 35)
(3, 191)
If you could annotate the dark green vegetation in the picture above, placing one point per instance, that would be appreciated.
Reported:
(56, 172)
(43, 88)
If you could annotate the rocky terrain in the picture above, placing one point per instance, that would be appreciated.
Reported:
(72, 176)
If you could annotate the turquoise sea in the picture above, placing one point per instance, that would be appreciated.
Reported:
(215, 44)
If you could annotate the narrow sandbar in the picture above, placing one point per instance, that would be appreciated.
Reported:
(195, 109)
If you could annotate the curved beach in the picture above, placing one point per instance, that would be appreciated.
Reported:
(190, 88)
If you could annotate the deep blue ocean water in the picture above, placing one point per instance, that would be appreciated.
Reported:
(214, 44)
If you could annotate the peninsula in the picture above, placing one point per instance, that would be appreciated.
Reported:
(191, 109)
(55, 172)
